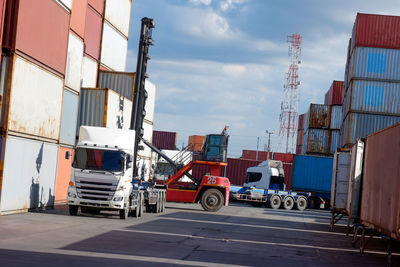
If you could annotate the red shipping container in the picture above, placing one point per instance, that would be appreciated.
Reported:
(78, 17)
(39, 31)
(300, 124)
(97, 5)
(2, 10)
(262, 155)
(299, 150)
(236, 169)
(93, 27)
(334, 96)
(164, 140)
(284, 157)
(288, 170)
(376, 31)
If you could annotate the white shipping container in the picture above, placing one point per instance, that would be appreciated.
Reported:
(89, 72)
(340, 180)
(74, 62)
(118, 13)
(35, 101)
(151, 101)
(148, 136)
(28, 177)
(114, 48)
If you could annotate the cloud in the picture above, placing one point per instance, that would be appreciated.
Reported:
(201, 2)
(230, 4)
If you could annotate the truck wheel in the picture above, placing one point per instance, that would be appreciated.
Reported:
(275, 202)
(141, 205)
(73, 210)
(212, 200)
(288, 203)
(156, 207)
(164, 200)
(123, 214)
(301, 203)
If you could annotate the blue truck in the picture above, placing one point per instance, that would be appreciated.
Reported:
(264, 185)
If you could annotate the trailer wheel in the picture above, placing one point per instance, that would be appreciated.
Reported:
(212, 200)
(301, 203)
(73, 210)
(275, 202)
(288, 203)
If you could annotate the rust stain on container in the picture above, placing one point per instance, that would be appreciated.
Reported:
(318, 116)
(78, 17)
(93, 27)
(380, 199)
(64, 167)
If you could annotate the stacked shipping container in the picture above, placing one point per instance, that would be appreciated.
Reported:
(372, 79)
(300, 134)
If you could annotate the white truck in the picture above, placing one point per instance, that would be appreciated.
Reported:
(264, 184)
(101, 176)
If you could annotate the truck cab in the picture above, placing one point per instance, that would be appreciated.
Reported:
(267, 175)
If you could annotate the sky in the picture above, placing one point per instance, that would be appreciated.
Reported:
(224, 62)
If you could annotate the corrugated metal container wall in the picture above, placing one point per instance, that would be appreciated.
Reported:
(2, 10)
(4, 77)
(236, 169)
(374, 63)
(380, 198)
(40, 36)
(355, 180)
(340, 180)
(121, 82)
(151, 100)
(288, 170)
(148, 135)
(317, 116)
(33, 185)
(357, 125)
(97, 5)
(114, 48)
(35, 102)
(89, 72)
(196, 142)
(311, 173)
(299, 150)
(69, 118)
(199, 171)
(66, 3)
(376, 31)
(118, 13)
(64, 167)
(316, 141)
(328, 98)
(300, 137)
(335, 141)
(78, 17)
(284, 157)
(373, 97)
(93, 26)
(255, 155)
(164, 140)
(334, 96)
(300, 125)
(336, 117)
(74, 62)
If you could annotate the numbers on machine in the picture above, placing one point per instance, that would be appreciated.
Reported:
(211, 180)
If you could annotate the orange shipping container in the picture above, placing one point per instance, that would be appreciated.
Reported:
(78, 17)
(93, 27)
(64, 167)
(196, 141)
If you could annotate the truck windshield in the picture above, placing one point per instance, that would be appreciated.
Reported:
(252, 177)
(98, 159)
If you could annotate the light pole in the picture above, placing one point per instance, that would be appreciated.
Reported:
(269, 142)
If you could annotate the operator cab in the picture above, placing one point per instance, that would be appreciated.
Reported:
(215, 147)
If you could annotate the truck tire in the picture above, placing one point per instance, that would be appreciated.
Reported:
(73, 210)
(212, 200)
(156, 207)
(275, 202)
(301, 203)
(141, 205)
(123, 214)
(162, 201)
(288, 203)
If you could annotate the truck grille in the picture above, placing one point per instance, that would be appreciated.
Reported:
(96, 189)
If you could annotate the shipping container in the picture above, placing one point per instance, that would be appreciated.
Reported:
(118, 13)
(148, 136)
(236, 169)
(317, 117)
(74, 62)
(336, 117)
(340, 180)
(355, 180)
(93, 27)
(89, 72)
(284, 157)
(2, 10)
(164, 140)
(121, 82)
(312, 174)
(114, 48)
(69, 118)
(104, 108)
(28, 180)
(300, 137)
(376, 31)
(372, 97)
(380, 198)
(334, 96)
(4, 77)
(358, 125)
(37, 35)
(64, 166)
(67, 4)
(301, 122)
(97, 5)
(288, 171)
(316, 141)
(195, 142)
(150, 101)
(334, 136)
(35, 101)
(299, 150)
(78, 17)
(255, 155)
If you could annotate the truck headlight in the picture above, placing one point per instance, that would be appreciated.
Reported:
(118, 198)
(71, 195)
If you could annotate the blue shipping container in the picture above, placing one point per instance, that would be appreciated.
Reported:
(335, 140)
(312, 174)
(336, 117)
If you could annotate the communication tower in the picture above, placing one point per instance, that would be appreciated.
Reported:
(289, 116)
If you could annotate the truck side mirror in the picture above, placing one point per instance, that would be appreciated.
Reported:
(67, 155)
